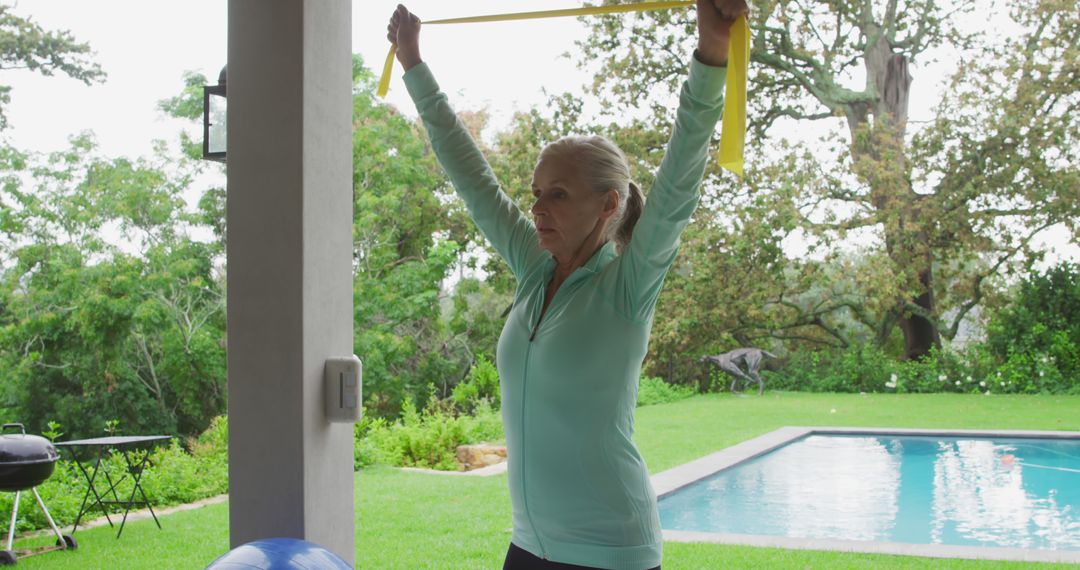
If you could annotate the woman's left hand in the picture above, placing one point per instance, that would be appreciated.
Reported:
(715, 18)
(404, 32)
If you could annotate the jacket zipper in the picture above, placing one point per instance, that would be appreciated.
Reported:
(543, 311)
(525, 470)
(524, 393)
(536, 327)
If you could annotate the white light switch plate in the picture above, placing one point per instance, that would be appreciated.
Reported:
(342, 378)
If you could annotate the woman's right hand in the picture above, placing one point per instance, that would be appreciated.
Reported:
(404, 32)
(715, 18)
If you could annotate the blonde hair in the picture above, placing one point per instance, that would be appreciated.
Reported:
(604, 167)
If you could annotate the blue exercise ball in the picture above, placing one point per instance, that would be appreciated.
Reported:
(279, 554)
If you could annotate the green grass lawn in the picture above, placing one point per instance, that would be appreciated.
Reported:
(413, 520)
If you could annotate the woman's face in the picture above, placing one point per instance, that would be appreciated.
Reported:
(565, 210)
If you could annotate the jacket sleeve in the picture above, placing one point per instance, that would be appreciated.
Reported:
(504, 225)
(674, 194)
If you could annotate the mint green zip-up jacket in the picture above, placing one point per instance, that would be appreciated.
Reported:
(580, 490)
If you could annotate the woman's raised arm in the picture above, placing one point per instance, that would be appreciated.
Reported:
(674, 194)
(508, 230)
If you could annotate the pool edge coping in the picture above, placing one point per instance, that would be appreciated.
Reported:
(671, 480)
(877, 547)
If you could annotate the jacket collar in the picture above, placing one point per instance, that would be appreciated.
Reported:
(601, 258)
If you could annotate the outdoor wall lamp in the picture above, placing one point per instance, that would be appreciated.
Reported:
(214, 106)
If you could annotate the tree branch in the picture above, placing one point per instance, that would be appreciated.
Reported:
(977, 295)
(796, 337)
(915, 44)
(810, 318)
(853, 223)
(776, 112)
(890, 20)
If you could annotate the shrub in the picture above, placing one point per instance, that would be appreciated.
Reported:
(653, 390)
(1035, 341)
(183, 477)
(176, 476)
(425, 439)
(214, 441)
(366, 448)
(861, 368)
(867, 368)
(481, 385)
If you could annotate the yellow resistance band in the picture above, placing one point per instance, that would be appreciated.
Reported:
(733, 127)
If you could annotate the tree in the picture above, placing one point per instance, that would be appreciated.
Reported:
(403, 248)
(951, 205)
(26, 45)
(89, 331)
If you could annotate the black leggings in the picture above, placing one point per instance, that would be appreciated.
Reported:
(521, 559)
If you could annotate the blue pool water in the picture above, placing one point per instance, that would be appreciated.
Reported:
(1019, 493)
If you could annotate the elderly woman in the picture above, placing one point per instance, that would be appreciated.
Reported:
(589, 266)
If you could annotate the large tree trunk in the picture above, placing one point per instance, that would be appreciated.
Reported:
(881, 161)
(920, 335)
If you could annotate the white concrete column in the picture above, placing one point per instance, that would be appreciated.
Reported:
(289, 254)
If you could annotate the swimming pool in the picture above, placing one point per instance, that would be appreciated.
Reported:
(1008, 495)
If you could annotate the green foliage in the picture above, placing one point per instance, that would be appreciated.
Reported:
(726, 287)
(1036, 339)
(866, 368)
(53, 432)
(132, 339)
(189, 105)
(214, 442)
(90, 331)
(26, 45)
(399, 192)
(652, 390)
(185, 476)
(482, 385)
(425, 438)
(860, 369)
(367, 435)
(476, 314)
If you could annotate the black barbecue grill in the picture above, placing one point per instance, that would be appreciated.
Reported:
(25, 462)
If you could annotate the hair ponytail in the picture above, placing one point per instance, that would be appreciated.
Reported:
(635, 203)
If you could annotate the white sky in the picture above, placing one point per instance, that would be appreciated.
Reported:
(145, 45)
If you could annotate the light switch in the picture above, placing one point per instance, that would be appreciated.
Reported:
(342, 380)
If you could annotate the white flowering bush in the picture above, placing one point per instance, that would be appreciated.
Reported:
(869, 369)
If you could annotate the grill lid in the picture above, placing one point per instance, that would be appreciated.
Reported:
(21, 448)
